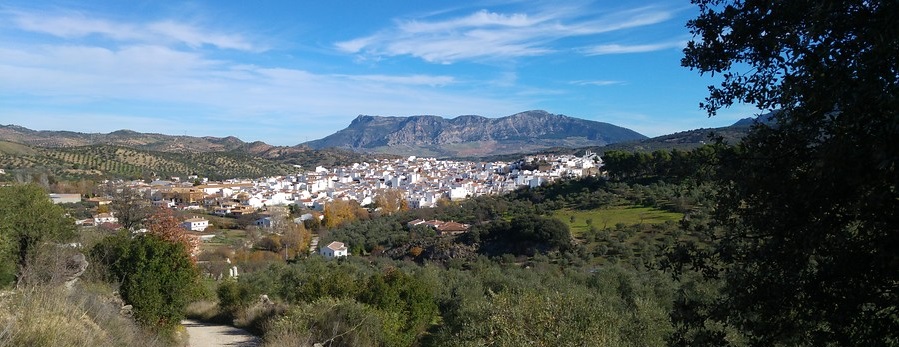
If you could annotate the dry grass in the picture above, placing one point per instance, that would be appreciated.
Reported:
(42, 312)
(256, 318)
(207, 311)
(289, 338)
(50, 316)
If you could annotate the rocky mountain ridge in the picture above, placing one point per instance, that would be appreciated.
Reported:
(472, 135)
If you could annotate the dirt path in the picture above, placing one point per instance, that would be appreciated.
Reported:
(213, 335)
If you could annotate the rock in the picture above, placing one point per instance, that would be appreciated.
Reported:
(126, 310)
(452, 137)
(263, 299)
(75, 267)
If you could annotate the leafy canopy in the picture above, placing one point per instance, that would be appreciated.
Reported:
(811, 202)
(27, 219)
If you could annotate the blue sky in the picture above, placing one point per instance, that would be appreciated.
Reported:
(286, 72)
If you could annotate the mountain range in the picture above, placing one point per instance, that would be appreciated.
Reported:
(127, 153)
(466, 136)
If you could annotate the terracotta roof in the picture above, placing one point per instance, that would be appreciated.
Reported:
(452, 226)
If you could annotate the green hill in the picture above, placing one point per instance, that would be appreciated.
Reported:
(107, 161)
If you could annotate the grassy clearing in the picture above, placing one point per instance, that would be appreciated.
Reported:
(608, 217)
(226, 237)
(15, 148)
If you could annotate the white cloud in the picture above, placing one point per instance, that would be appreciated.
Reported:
(598, 83)
(415, 80)
(194, 92)
(77, 25)
(625, 49)
(482, 18)
(74, 26)
(194, 37)
(492, 35)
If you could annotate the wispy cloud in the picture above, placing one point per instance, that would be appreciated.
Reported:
(413, 80)
(77, 25)
(190, 89)
(625, 49)
(492, 35)
(599, 83)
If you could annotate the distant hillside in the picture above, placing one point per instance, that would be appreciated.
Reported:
(472, 135)
(19, 139)
(124, 138)
(684, 140)
(104, 161)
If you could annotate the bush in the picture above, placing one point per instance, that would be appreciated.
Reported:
(258, 317)
(232, 296)
(157, 277)
(328, 321)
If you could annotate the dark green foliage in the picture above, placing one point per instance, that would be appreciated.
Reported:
(308, 280)
(27, 220)
(157, 276)
(78, 210)
(526, 234)
(811, 203)
(386, 231)
(395, 307)
(674, 165)
(511, 306)
(232, 295)
(407, 302)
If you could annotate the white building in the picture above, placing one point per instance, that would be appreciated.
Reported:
(334, 250)
(195, 224)
(459, 193)
(264, 222)
(105, 218)
(65, 198)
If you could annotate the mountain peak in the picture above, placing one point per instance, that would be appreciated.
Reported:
(471, 134)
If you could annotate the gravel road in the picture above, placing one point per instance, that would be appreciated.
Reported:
(213, 335)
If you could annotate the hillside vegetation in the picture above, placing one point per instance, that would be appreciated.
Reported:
(130, 154)
(123, 162)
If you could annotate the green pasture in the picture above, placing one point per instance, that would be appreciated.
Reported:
(603, 218)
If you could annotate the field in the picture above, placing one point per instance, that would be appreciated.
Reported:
(607, 217)
(226, 237)
(123, 162)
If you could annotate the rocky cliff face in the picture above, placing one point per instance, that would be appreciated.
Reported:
(473, 135)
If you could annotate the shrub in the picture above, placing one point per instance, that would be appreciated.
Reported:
(157, 277)
(328, 321)
(232, 296)
(257, 317)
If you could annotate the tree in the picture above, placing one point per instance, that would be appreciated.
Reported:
(810, 203)
(295, 240)
(339, 211)
(391, 200)
(280, 219)
(27, 219)
(157, 276)
(408, 304)
(164, 224)
(129, 206)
